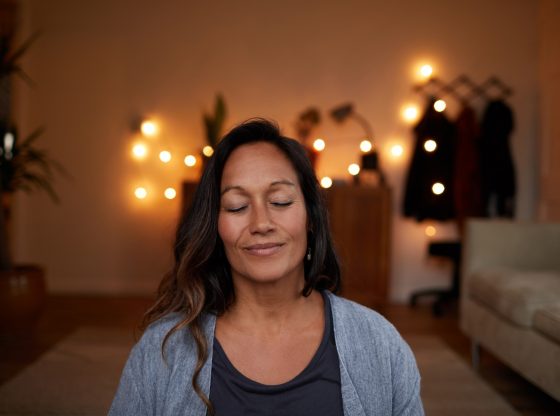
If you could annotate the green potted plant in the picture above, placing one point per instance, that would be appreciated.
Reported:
(213, 127)
(23, 166)
(214, 123)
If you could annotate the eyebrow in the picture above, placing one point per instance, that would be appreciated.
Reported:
(275, 183)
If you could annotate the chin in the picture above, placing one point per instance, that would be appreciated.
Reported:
(268, 274)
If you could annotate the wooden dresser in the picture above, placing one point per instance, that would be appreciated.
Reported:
(361, 227)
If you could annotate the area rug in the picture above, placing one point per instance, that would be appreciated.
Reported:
(79, 375)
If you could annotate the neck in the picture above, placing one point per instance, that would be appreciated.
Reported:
(270, 305)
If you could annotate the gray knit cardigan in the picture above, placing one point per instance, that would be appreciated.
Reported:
(378, 371)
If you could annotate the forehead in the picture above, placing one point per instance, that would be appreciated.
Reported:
(258, 163)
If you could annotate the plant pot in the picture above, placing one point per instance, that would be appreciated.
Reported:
(22, 296)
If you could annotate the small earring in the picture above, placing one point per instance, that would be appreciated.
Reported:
(308, 254)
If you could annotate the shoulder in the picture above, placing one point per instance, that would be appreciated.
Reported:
(358, 327)
(373, 352)
(154, 372)
(154, 335)
(358, 318)
(156, 331)
(178, 341)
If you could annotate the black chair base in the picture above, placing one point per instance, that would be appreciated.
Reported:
(443, 296)
(452, 251)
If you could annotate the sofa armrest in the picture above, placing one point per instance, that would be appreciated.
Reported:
(508, 244)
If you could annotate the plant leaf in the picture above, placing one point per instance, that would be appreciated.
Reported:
(39, 182)
(12, 57)
(220, 110)
(32, 137)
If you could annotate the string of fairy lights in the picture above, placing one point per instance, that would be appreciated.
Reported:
(410, 113)
(150, 129)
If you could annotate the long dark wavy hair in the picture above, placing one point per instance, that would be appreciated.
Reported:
(200, 281)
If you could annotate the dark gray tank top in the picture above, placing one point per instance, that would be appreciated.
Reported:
(313, 392)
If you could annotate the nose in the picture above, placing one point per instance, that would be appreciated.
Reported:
(261, 221)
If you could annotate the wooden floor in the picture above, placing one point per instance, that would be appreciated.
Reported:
(63, 314)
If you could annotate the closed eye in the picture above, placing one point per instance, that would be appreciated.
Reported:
(234, 210)
(282, 204)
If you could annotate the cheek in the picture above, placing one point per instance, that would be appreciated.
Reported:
(223, 229)
(298, 227)
(228, 230)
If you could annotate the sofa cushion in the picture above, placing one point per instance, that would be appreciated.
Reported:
(515, 294)
(547, 320)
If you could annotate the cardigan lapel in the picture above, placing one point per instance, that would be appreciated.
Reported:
(191, 401)
(206, 371)
(350, 400)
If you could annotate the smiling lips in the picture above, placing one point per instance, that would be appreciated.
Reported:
(266, 249)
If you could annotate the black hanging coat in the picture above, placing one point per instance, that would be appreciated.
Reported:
(498, 173)
(427, 168)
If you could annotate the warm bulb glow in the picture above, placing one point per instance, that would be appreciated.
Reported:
(438, 188)
(140, 193)
(9, 140)
(326, 182)
(426, 71)
(319, 145)
(190, 160)
(430, 231)
(440, 105)
(410, 113)
(397, 150)
(165, 156)
(430, 145)
(354, 169)
(170, 193)
(139, 151)
(365, 146)
(149, 128)
(207, 151)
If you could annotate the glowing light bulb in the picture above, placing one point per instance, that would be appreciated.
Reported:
(149, 128)
(165, 156)
(438, 188)
(207, 151)
(190, 160)
(170, 193)
(319, 145)
(397, 150)
(9, 140)
(430, 145)
(410, 113)
(354, 169)
(426, 71)
(140, 193)
(326, 182)
(139, 151)
(430, 231)
(365, 146)
(440, 105)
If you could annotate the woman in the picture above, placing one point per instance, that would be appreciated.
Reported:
(247, 323)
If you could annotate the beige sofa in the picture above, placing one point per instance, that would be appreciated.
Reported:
(510, 296)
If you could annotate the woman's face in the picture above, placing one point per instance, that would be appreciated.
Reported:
(262, 220)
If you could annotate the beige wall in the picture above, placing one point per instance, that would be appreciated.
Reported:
(101, 62)
(549, 77)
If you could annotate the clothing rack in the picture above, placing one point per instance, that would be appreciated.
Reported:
(464, 89)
